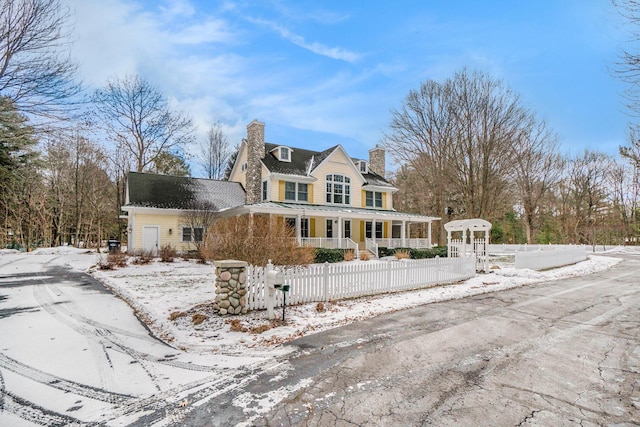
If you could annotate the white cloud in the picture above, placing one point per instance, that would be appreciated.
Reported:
(315, 47)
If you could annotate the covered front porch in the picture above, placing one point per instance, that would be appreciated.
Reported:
(345, 227)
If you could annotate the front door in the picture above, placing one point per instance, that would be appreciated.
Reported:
(150, 239)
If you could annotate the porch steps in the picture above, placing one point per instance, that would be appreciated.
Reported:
(370, 254)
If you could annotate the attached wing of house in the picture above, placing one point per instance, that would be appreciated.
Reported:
(155, 208)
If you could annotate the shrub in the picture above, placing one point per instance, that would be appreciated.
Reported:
(255, 241)
(349, 255)
(112, 261)
(144, 257)
(328, 255)
(440, 251)
(403, 254)
(365, 256)
(167, 253)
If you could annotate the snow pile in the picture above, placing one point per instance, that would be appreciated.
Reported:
(174, 299)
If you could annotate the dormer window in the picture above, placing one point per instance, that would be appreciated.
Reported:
(363, 166)
(282, 153)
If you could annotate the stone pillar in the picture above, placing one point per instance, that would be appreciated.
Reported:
(231, 287)
(255, 152)
(377, 161)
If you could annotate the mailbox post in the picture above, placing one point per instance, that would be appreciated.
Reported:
(274, 280)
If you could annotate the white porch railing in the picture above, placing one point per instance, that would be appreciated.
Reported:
(371, 246)
(325, 282)
(404, 243)
(328, 243)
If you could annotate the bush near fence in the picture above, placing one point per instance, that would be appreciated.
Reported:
(440, 251)
(329, 255)
(324, 282)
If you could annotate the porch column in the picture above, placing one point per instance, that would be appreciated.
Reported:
(429, 233)
(299, 229)
(403, 233)
(339, 230)
(373, 230)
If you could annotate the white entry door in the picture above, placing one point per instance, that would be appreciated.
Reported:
(150, 239)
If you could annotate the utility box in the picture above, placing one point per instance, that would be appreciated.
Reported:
(275, 279)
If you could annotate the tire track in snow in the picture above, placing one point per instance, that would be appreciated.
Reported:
(38, 415)
(59, 383)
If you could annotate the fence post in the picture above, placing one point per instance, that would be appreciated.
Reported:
(389, 275)
(325, 277)
(269, 292)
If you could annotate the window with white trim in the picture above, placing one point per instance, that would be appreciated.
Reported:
(265, 187)
(363, 167)
(296, 191)
(285, 154)
(373, 199)
(195, 234)
(338, 189)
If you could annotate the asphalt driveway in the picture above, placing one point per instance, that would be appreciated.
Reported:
(555, 354)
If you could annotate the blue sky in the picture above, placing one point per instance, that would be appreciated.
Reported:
(321, 73)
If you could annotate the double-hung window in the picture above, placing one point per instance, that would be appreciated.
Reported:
(338, 189)
(373, 199)
(195, 234)
(296, 191)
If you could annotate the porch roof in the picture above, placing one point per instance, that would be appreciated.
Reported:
(280, 208)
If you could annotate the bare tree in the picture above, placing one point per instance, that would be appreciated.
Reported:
(214, 152)
(137, 117)
(199, 218)
(457, 136)
(35, 70)
(537, 167)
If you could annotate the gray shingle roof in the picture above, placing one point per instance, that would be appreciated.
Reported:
(300, 159)
(173, 192)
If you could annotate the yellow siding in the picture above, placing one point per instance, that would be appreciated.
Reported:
(384, 200)
(364, 198)
(385, 229)
(164, 222)
(312, 227)
(238, 175)
(340, 164)
(281, 191)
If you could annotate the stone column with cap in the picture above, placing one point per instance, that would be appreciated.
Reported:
(231, 287)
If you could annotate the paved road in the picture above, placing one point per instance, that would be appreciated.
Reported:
(73, 354)
(564, 353)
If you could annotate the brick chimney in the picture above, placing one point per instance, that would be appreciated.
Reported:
(376, 160)
(255, 152)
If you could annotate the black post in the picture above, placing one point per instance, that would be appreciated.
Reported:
(284, 303)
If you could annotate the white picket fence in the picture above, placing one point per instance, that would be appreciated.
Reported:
(325, 282)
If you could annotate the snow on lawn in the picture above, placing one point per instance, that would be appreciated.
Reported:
(169, 296)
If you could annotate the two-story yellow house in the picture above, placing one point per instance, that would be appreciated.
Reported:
(331, 199)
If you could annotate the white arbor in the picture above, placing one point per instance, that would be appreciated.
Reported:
(469, 244)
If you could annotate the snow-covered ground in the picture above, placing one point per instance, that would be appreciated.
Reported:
(159, 289)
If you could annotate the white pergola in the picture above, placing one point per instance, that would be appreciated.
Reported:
(478, 246)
